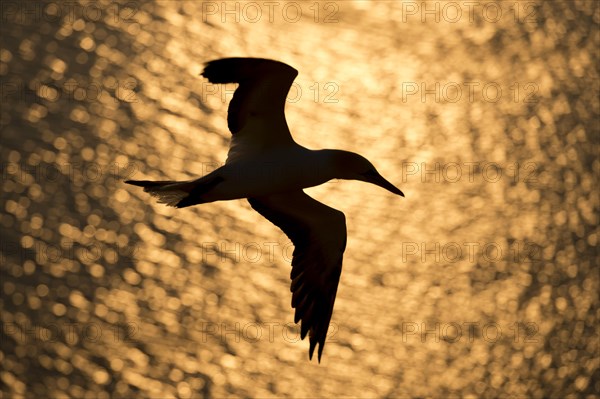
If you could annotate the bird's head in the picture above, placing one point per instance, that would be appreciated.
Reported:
(351, 166)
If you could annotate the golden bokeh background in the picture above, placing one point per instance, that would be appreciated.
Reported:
(482, 282)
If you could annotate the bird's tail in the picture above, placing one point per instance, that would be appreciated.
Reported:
(168, 192)
(179, 193)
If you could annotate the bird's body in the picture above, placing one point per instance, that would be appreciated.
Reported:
(273, 172)
(266, 166)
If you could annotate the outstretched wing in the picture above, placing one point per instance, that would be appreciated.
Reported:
(319, 235)
(256, 115)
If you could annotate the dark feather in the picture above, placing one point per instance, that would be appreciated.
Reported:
(262, 91)
(316, 231)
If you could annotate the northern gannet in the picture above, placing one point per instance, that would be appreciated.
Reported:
(266, 166)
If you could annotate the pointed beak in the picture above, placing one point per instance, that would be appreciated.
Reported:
(375, 178)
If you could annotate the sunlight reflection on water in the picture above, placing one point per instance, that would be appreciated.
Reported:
(482, 282)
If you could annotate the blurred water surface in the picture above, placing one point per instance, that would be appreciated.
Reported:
(482, 282)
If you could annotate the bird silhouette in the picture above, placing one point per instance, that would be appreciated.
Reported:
(266, 166)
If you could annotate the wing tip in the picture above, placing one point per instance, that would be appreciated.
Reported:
(236, 69)
(311, 350)
(313, 344)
